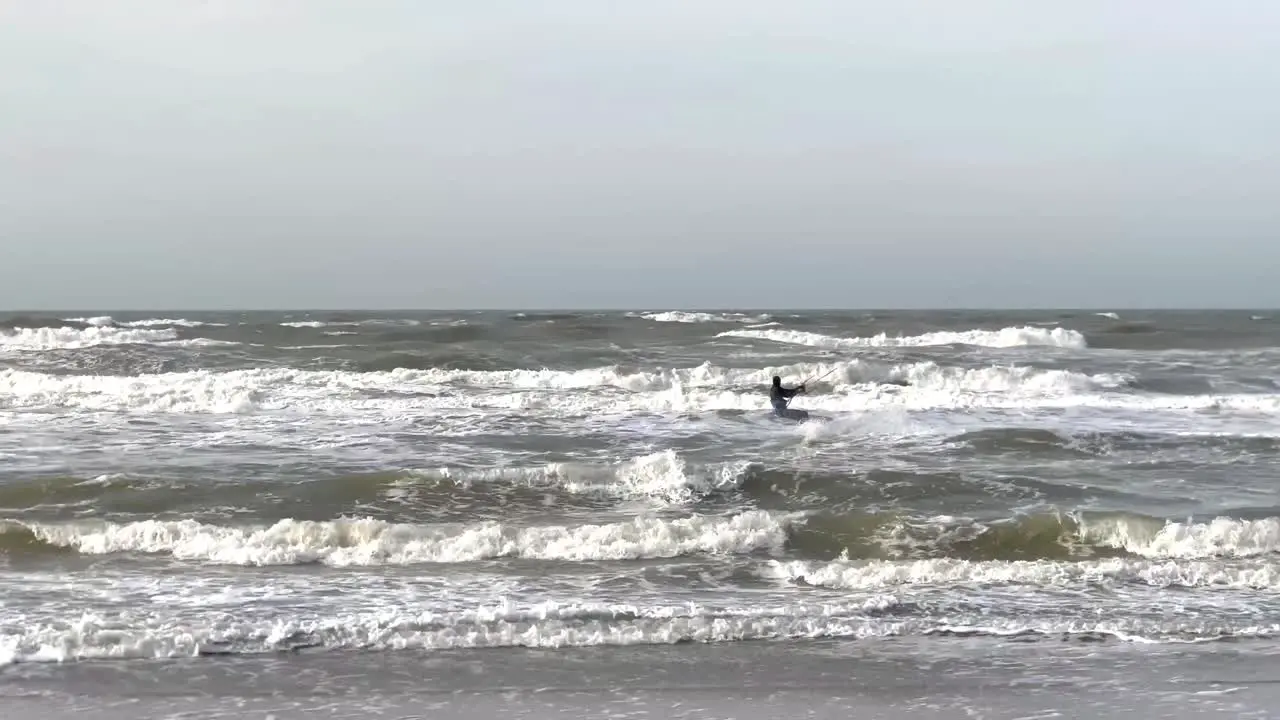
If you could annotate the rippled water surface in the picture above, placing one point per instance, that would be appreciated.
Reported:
(187, 485)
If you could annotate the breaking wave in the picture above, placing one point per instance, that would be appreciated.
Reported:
(847, 385)
(108, 321)
(68, 338)
(1047, 536)
(557, 625)
(848, 538)
(679, 316)
(664, 477)
(358, 542)
(1004, 338)
(889, 575)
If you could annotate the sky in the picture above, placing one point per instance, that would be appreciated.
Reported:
(661, 154)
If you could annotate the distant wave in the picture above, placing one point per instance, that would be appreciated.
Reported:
(66, 338)
(679, 316)
(373, 322)
(108, 321)
(47, 339)
(1003, 338)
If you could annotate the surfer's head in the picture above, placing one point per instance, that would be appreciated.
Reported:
(777, 381)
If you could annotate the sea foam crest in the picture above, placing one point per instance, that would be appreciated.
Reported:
(1021, 379)
(261, 628)
(662, 475)
(681, 316)
(1003, 338)
(68, 338)
(345, 542)
(884, 575)
(371, 322)
(1088, 532)
(1222, 536)
(683, 389)
(502, 624)
(108, 321)
(169, 322)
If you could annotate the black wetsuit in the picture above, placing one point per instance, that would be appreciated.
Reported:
(779, 395)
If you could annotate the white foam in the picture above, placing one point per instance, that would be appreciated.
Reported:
(374, 542)
(1003, 338)
(551, 624)
(108, 321)
(679, 316)
(68, 338)
(168, 322)
(1148, 537)
(97, 320)
(881, 575)
(153, 630)
(851, 387)
(931, 377)
(400, 322)
(663, 475)
(193, 392)
(1222, 536)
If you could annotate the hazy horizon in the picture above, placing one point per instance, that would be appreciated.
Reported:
(334, 155)
(1100, 310)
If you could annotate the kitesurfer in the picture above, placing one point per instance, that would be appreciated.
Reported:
(779, 397)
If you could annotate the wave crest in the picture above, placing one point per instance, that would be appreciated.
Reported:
(358, 542)
(681, 316)
(1003, 338)
(68, 338)
(366, 541)
(852, 384)
(1044, 536)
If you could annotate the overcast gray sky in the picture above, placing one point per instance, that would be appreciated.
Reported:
(665, 153)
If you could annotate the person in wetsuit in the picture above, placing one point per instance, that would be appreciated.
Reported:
(778, 397)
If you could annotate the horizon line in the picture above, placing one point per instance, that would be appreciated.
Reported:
(650, 308)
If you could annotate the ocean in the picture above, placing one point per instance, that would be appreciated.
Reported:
(593, 514)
